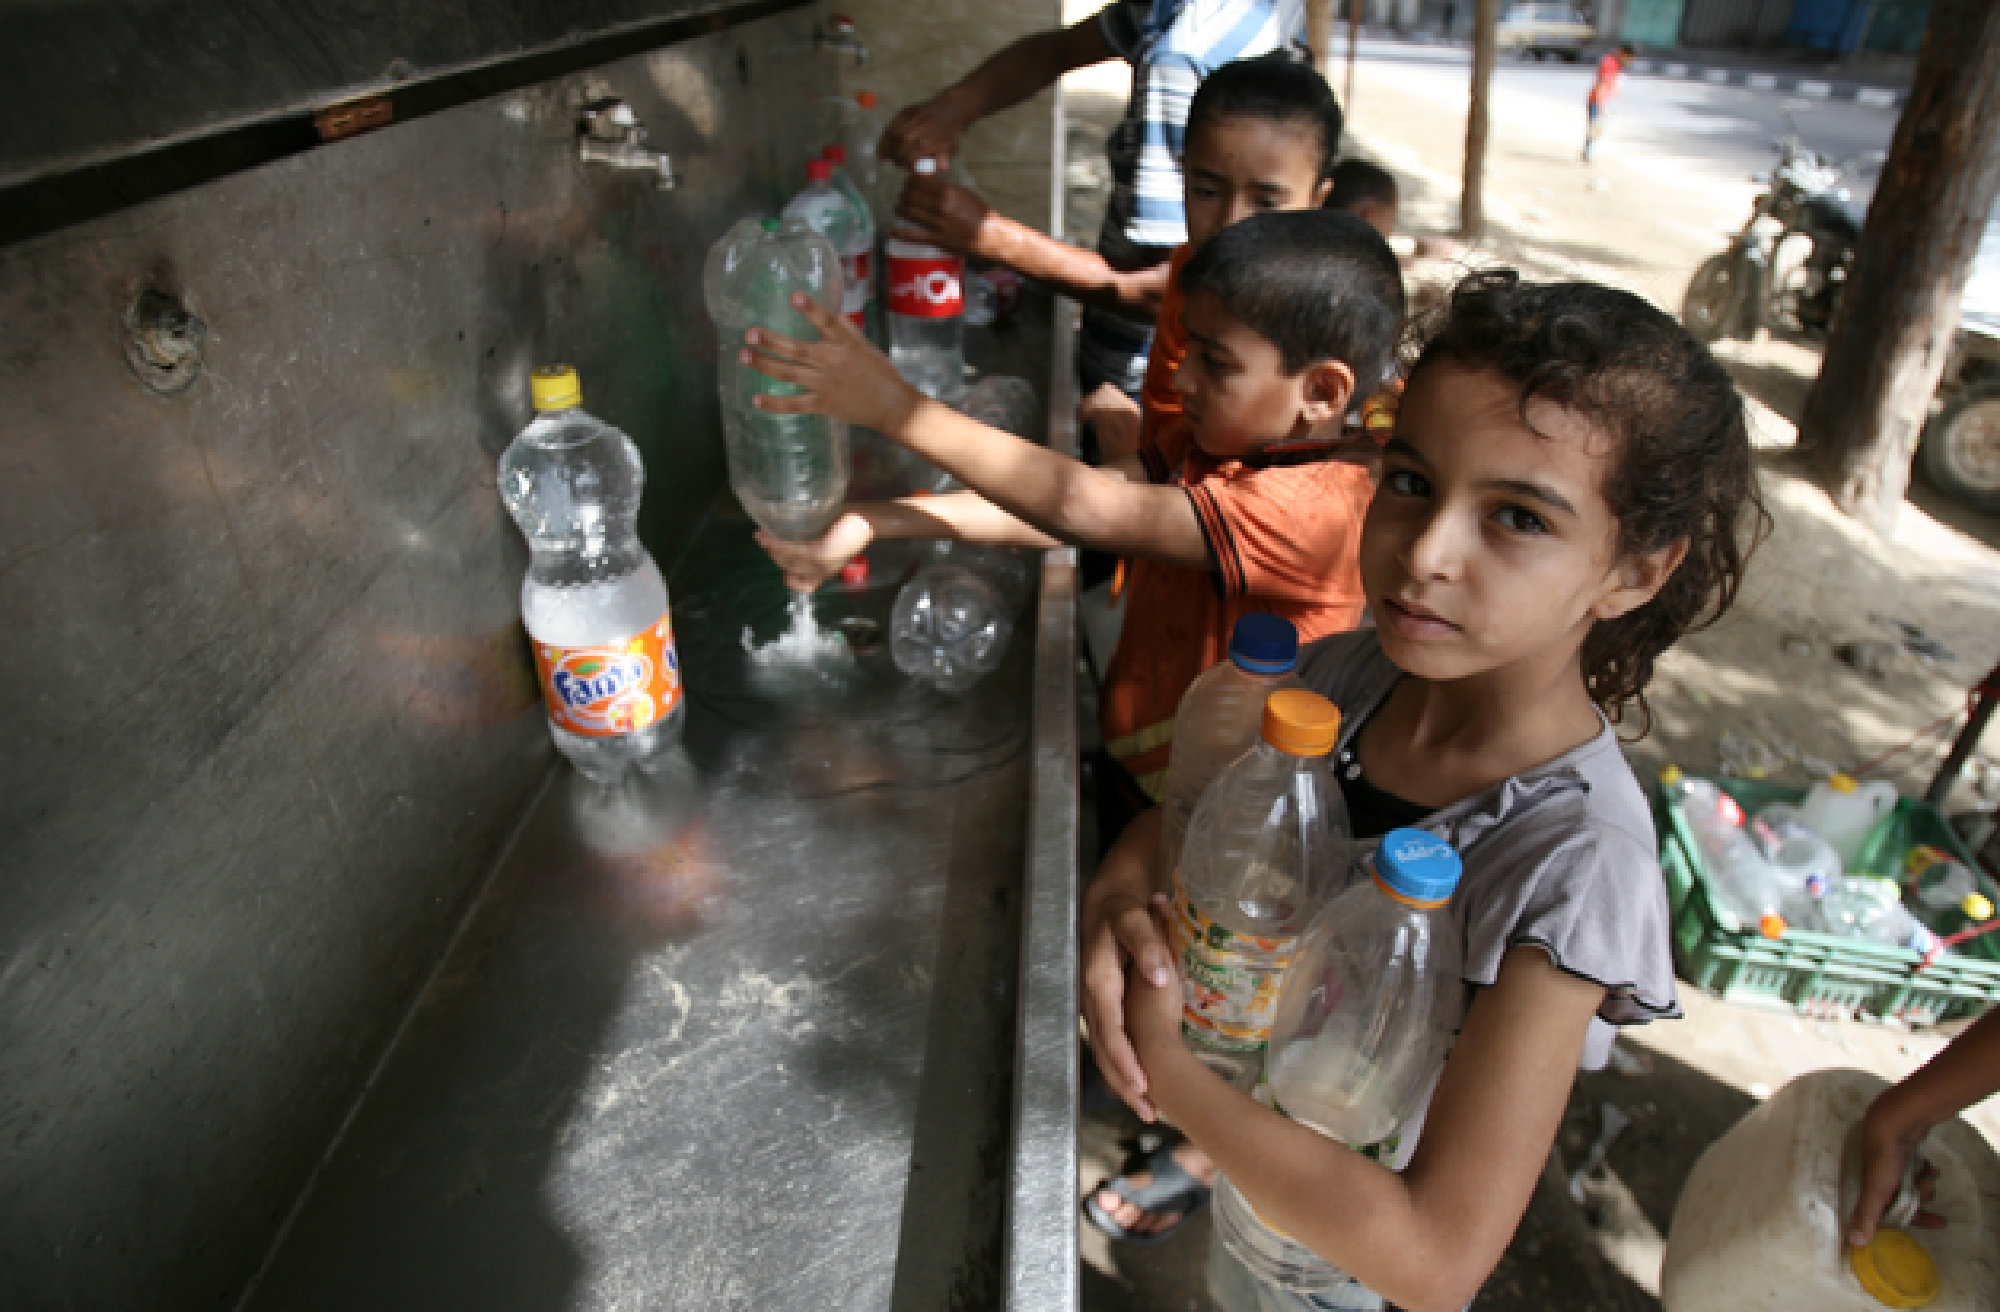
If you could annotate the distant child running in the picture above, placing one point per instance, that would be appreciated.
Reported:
(1603, 89)
(1569, 490)
(1246, 505)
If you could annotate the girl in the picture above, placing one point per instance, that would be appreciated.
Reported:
(1569, 490)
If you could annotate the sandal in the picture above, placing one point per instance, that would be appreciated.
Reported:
(1171, 1189)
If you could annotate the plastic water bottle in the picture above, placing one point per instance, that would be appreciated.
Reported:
(593, 602)
(1220, 717)
(857, 260)
(841, 218)
(1844, 811)
(789, 471)
(949, 627)
(1374, 994)
(1871, 910)
(1265, 848)
(1748, 891)
(927, 312)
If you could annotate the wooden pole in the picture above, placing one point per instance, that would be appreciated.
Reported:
(1899, 312)
(1319, 32)
(1353, 42)
(1472, 190)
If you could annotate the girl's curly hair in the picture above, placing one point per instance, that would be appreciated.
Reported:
(1682, 468)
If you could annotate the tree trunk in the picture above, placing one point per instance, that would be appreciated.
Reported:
(1899, 313)
(1472, 193)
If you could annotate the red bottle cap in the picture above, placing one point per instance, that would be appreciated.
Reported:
(818, 171)
(836, 154)
(855, 572)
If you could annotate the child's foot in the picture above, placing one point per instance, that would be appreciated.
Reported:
(1172, 1183)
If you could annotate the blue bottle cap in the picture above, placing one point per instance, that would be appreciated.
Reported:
(1264, 644)
(1417, 867)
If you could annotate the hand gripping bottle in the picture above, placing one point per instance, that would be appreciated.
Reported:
(1374, 994)
(1220, 718)
(789, 471)
(594, 603)
(857, 260)
(926, 312)
(841, 218)
(1266, 846)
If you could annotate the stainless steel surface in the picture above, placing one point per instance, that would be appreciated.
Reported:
(1041, 1209)
(265, 704)
(736, 1037)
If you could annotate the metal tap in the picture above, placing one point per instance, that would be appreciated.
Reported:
(839, 34)
(612, 134)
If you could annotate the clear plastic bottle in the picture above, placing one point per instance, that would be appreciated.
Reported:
(1748, 891)
(857, 258)
(1374, 994)
(1844, 811)
(1267, 845)
(926, 312)
(949, 627)
(789, 471)
(1871, 910)
(593, 601)
(1220, 717)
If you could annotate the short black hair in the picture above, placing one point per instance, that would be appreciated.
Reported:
(1272, 86)
(1317, 284)
(1627, 49)
(1356, 182)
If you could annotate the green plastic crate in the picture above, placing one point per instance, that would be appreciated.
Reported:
(1820, 974)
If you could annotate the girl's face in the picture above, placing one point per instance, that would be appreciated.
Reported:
(1489, 545)
(1240, 165)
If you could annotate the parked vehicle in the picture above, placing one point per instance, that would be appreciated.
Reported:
(1537, 31)
(1786, 269)
(1961, 444)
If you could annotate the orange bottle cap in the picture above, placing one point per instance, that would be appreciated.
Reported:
(1301, 723)
(1771, 925)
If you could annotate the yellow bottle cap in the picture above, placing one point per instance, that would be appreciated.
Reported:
(1895, 1270)
(1301, 723)
(1976, 907)
(1841, 783)
(1670, 775)
(555, 387)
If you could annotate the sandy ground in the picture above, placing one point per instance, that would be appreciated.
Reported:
(1766, 677)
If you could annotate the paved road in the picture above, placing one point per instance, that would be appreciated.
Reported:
(1688, 131)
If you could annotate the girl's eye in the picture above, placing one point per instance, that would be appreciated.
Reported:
(1519, 519)
(1405, 483)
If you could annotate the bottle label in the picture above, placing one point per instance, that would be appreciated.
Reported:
(612, 690)
(1229, 997)
(857, 289)
(926, 288)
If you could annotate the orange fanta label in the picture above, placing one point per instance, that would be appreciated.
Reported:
(612, 690)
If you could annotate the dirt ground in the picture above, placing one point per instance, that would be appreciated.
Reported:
(1763, 688)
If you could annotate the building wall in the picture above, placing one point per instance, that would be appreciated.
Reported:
(267, 714)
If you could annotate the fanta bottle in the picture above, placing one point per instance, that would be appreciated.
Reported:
(926, 312)
(594, 603)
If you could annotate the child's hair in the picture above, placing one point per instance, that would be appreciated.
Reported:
(1682, 468)
(1357, 182)
(1275, 87)
(1317, 284)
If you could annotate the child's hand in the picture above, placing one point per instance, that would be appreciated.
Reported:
(1888, 1139)
(944, 215)
(839, 375)
(1116, 418)
(808, 564)
(1152, 1009)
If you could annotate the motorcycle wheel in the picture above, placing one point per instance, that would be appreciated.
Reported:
(1961, 447)
(1713, 305)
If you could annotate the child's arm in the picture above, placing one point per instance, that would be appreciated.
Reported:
(1967, 1071)
(1115, 932)
(1429, 1237)
(958, 220)
(843, 376)
(954, 516)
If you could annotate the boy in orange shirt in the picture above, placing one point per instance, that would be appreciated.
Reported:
(1243, 506)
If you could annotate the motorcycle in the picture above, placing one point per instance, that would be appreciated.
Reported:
(1785, 271)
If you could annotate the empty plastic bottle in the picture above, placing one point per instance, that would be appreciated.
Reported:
(1373, 996)
(1266, 846)
(593, 601)
(1748, 891)
(949, 627)
(1871, 910)
(857, 259)
(1844, 811)
(789, 471)
(1221, 716)
(926, 312)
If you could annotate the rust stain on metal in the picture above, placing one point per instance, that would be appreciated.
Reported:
(339, 122)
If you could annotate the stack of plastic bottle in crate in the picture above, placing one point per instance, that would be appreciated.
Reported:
(1881, 933)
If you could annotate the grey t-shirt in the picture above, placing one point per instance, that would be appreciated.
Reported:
(1562, 856)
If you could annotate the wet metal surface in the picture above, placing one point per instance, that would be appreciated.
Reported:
(733, 1037)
